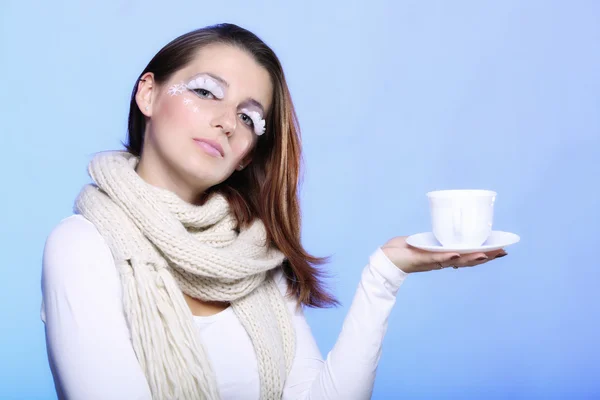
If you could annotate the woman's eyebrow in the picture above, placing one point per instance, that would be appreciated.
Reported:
(252, 102)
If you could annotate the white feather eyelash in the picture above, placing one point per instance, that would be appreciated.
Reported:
(257, 120)
(208, 84)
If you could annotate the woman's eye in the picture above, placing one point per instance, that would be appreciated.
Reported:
(247, 120)
(205, 94)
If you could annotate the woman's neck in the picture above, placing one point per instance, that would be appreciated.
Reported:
(156, 172)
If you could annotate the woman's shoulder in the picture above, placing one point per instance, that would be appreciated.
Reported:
(75, 235)
(74, 222)
(76, 253)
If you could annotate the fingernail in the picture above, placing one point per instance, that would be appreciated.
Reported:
(501, 255)
(482, 258)
(454, 257)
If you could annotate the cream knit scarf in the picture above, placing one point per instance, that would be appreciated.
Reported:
(162, 247)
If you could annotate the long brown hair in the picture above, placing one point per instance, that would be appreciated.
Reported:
(268, 187)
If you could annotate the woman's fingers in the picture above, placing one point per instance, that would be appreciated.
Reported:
(443, 260)
(440, 260)
(496, 254)
(472, 260)
(411, 259)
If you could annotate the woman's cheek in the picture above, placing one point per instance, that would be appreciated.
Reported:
(176, 108)
(184, 112)
(242, 144)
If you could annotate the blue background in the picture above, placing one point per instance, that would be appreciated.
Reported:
(395, 99)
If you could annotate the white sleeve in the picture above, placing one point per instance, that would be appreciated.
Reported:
(349, 371)
(88, 342)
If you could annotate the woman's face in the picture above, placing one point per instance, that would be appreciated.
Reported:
(204, 121)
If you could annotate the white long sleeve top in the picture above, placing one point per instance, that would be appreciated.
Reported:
(91, 355)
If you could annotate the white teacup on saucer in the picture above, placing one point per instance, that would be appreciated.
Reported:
(462, 222)
(462, 218)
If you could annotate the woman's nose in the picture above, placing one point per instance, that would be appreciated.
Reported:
(226, 121)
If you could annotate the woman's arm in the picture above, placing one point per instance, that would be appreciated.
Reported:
(349, 370)
(88, 343)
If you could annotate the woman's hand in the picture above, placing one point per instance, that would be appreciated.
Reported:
(410, 259)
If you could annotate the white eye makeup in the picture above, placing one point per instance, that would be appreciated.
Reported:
(203, 86)
(206, 87)
(176, 89)
(257, 121)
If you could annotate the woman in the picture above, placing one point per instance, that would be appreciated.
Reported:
(181, 274)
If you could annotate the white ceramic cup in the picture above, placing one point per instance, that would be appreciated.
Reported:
(462, 218)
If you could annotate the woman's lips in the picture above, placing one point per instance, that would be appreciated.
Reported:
(211, 147)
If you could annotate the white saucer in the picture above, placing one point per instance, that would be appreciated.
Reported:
(497, 240)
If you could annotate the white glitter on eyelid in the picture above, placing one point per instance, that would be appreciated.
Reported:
(257, 120)
(207, 84)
